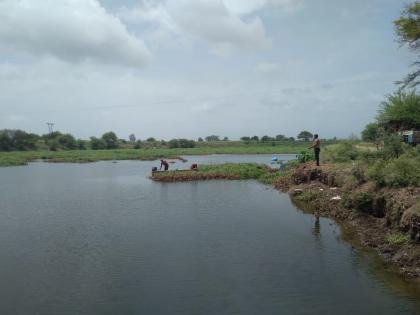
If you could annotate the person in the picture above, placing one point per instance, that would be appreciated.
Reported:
(165, 164)
(316, 145)
(194, 167)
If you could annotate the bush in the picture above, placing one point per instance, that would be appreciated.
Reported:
(400, 172)
(342, 152)
(397, 239)
(305, 156)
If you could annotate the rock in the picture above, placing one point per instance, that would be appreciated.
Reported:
(335, 198)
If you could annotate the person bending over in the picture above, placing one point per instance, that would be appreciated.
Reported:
(164, 164)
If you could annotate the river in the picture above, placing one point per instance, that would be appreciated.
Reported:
(102, 238)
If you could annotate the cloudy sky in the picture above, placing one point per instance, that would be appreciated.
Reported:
(190, 68)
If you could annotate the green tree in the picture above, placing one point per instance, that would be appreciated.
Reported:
(212, 138)
(174, 143)
(97, 144)
(280, 137)
(305, 135)
(151, 139)
(245, 138)
(5, 142)
(373, 133)
(255, 138)
(400, 111)
(132, 137)
(67, 141)
(200, 139)
(185, 143)
(407, 28)
(110, 139)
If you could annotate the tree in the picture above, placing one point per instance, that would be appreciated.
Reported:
(110, 139)
(173, 144)
(97, 144)
(132, 137)
(245, 138)
(280, 137)
(200, 139)
(255, 138)
(5, 142)
(151, 139)
(81, 144)
(407, 29)
(225, 139)
(400, 111)
(67, 141)
(373, 133)
(212, 138)
(305, 135)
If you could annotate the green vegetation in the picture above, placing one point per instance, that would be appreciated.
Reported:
(84, 156)
(231, 171)
(397, 239)
(407, 28)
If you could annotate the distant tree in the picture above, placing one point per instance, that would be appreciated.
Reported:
(151, 139)
(373, 133)
(212, 138)
(110, 139)
(245, 138)
(225, 139)
(407, 28)
(255, 138)
(23, 141)
(291, 139)
(132, 137)
(265, 138)
(174, 143)
(305, 135)
(97, 144)
(81, 144)
(5, 142)
(138, 144)
(67, 141)
(185, 143)
(400, 111)
(200, 139)
(280, 137)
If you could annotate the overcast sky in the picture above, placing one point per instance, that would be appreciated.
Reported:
(190, 68)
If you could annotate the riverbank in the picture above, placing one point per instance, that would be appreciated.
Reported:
(87, 156)
(385, 219)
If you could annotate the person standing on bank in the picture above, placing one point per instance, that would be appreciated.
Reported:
(316, 145)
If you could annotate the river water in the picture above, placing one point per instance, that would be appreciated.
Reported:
(102, 238)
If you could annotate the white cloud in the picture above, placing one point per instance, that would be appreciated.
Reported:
(71, 30)
(214, 23)
(210, 21)
(251, 6)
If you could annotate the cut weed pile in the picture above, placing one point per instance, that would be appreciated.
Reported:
(230, 171)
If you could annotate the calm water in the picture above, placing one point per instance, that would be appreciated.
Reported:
(102, 238)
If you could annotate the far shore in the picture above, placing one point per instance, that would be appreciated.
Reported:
(86, 156)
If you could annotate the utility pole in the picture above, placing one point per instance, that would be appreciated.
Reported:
(50, 127)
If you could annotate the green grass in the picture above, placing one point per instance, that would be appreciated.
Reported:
(230, 171)
(397, 239)
(86, 156)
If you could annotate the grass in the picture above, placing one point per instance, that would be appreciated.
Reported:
(397, 239)
(230, 171)
(86, 156)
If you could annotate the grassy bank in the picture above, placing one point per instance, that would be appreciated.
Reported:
(229, 171)
(85, 156)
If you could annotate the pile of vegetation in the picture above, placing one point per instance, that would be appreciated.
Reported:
(229, 171)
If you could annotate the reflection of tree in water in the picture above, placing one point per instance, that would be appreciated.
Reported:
(317, 227)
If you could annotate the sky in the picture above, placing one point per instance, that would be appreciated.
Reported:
(192, 68)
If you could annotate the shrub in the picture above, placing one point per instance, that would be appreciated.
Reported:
(305, 156)
(400, 172)
(342, 152)
(397, 239)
